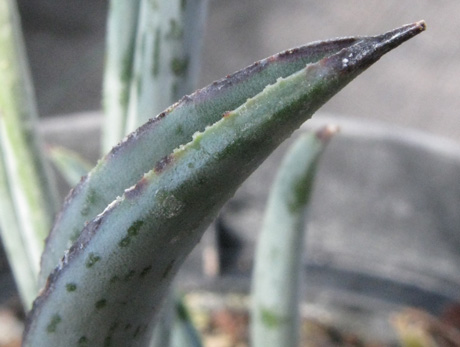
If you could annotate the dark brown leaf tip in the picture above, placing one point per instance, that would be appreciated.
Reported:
(368, 50)
(399, 35)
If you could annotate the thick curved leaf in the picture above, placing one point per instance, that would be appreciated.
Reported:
(111, 283)
(137, 154)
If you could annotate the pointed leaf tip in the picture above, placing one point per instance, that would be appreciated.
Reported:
(399, 35)
(358, 57)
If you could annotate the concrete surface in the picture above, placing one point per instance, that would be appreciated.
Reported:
(416, 86)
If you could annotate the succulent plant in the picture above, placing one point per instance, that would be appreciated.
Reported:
(131, 222)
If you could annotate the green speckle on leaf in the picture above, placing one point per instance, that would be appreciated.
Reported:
(145, 271)
(124, 98)
(161, 196)
(74, 236)
(300, 192)
(91, 198)
(82, 341)
(101, 304)
(126, 67)
(179, 66)
(113, 327)
(154, 4)
(85, 210)
(71, 287)
(124, 242)
(92, 259)
(139, 84)
(129, 275)
(133, 230)
(270, 319)
(115, 279)
(175, 31)
(108, 341)
(137, 331)
(126, 71)
(52, 326)
(168, 268)
(156, 53)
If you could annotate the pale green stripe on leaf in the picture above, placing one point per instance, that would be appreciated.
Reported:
(167, 56)
(194, 14)
(122, 26)
(20, 262)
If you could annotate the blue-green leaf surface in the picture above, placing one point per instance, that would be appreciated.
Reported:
(110, 284)
(125, 164)
(275, 296)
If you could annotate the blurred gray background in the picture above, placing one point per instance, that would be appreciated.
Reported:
(416, 85)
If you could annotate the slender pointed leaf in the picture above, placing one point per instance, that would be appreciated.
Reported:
(110, 284)
(10, 232)
(32, 191)
(275, 318)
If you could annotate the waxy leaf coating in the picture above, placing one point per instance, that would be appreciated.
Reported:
(125, 164)
(120, 287)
